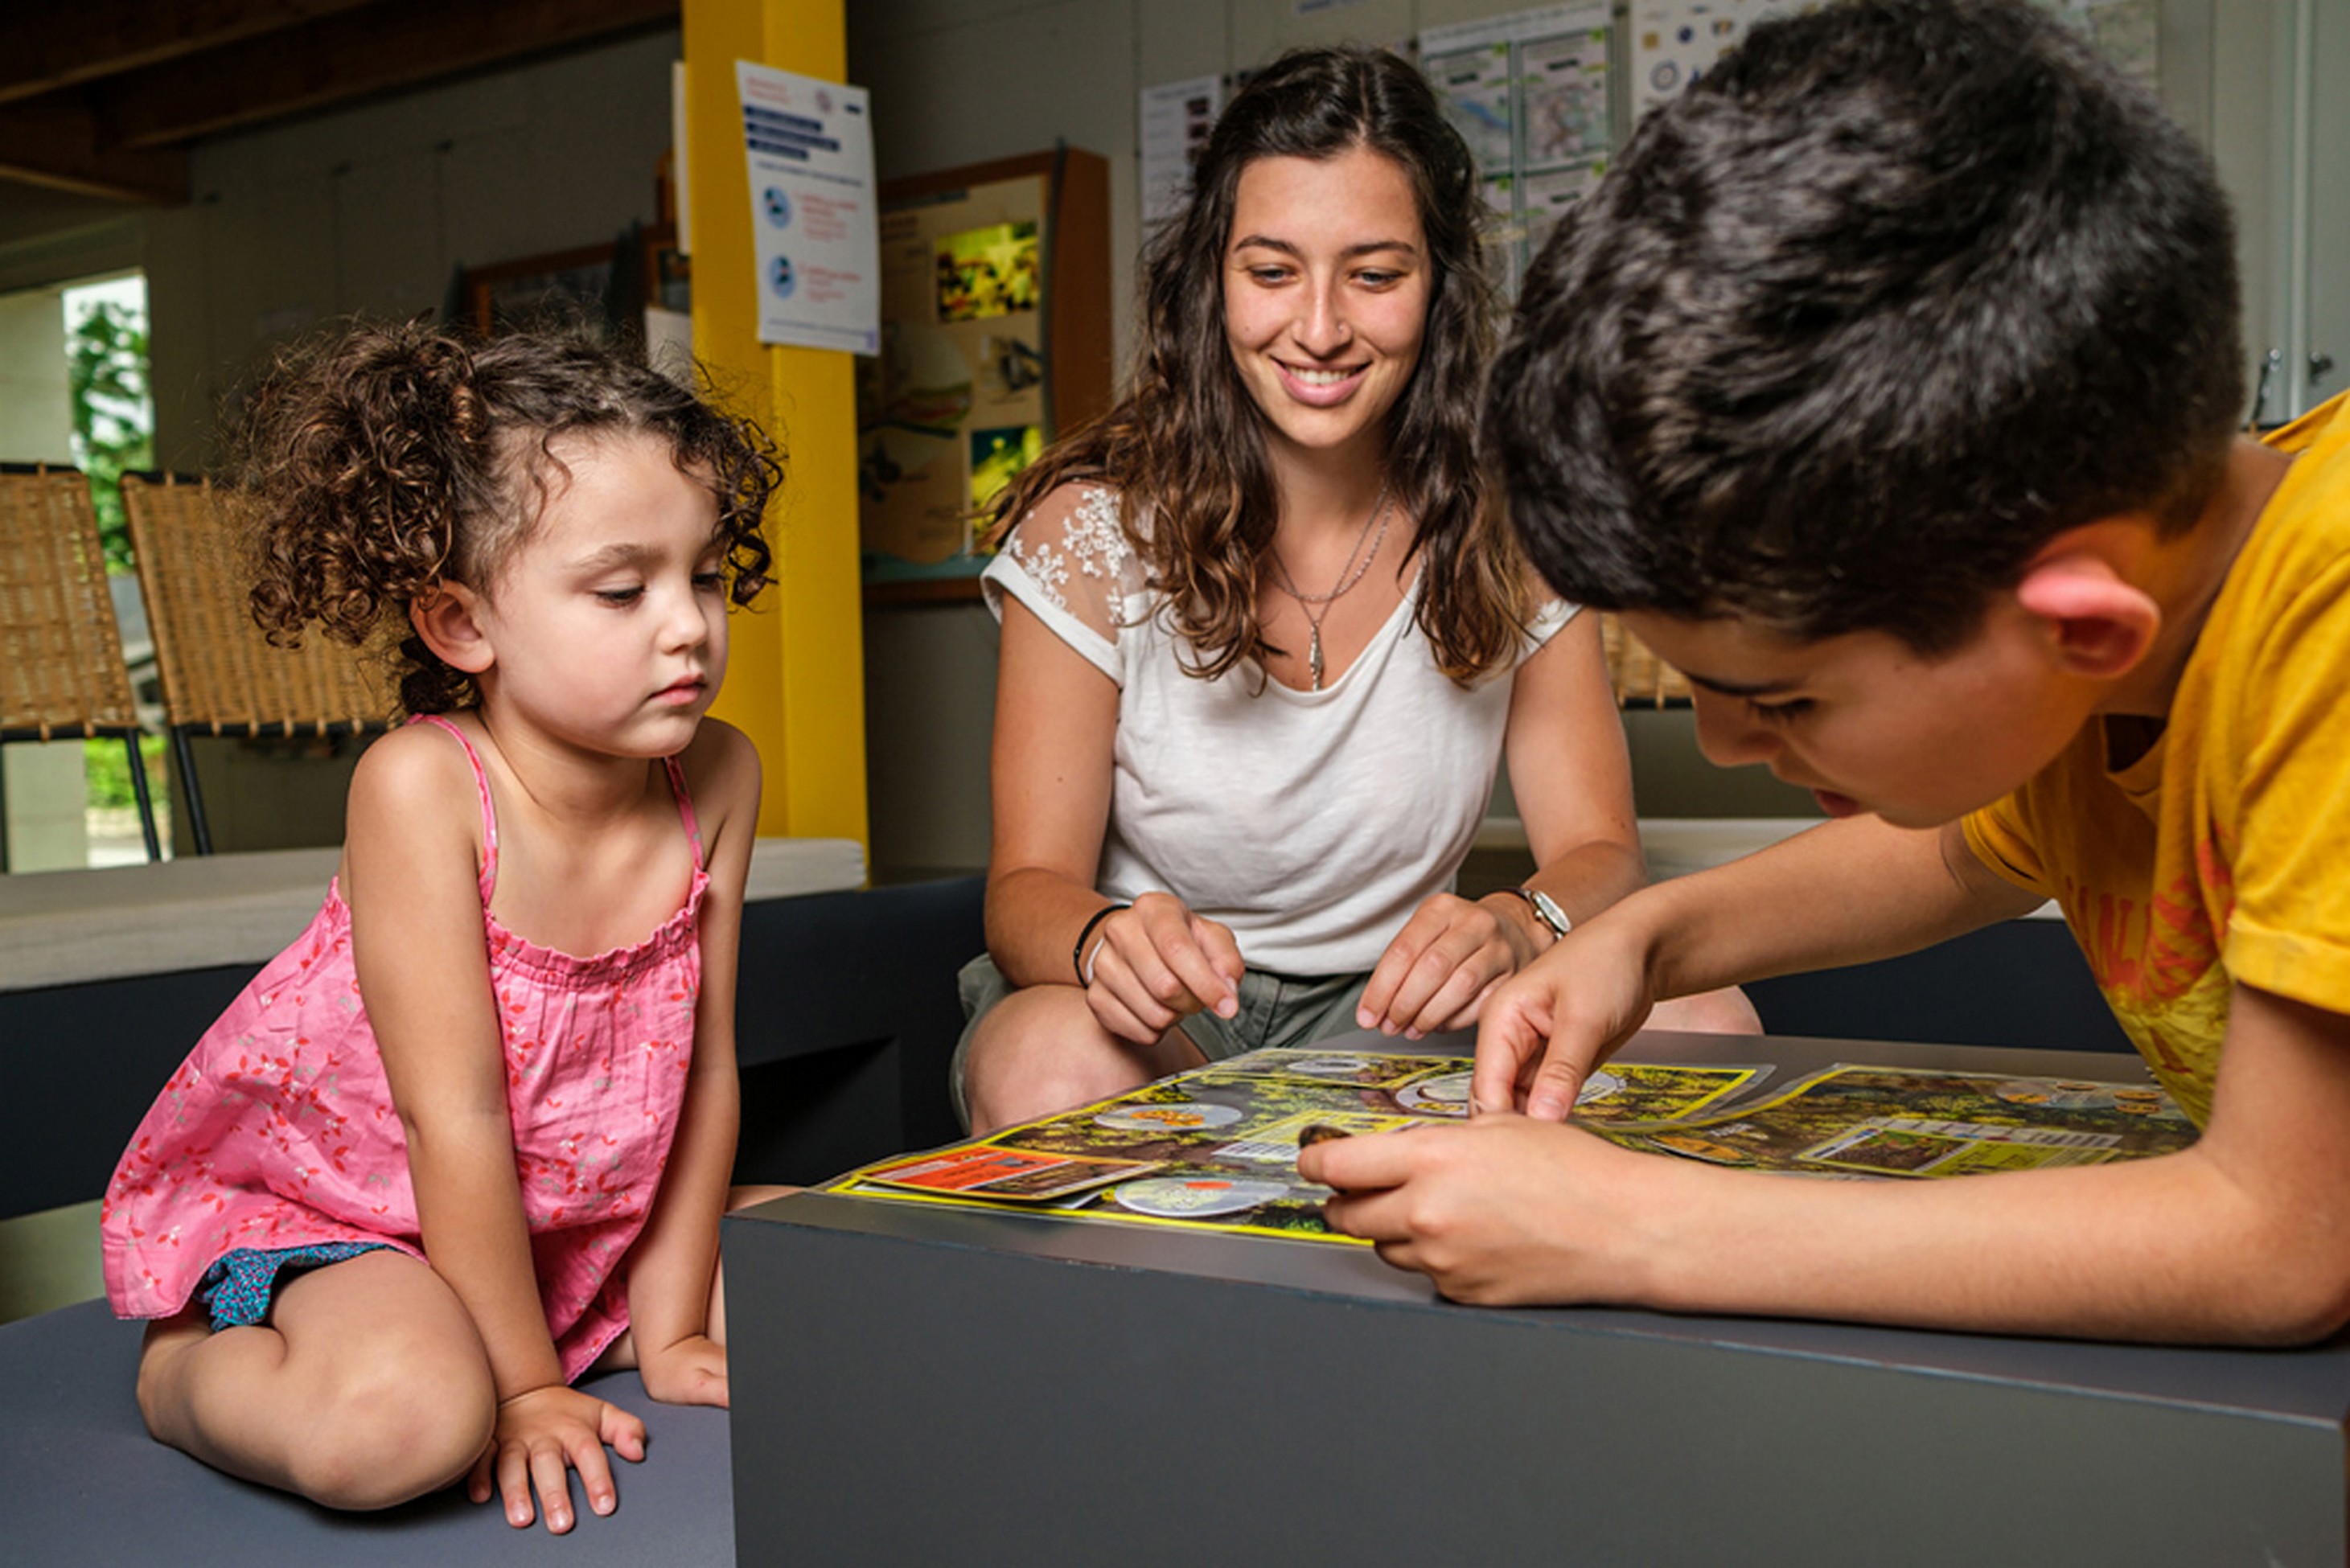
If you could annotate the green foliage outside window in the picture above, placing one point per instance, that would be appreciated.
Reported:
(112, 427)
(107, 766)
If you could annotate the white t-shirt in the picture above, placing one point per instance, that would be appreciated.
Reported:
(1310, 823)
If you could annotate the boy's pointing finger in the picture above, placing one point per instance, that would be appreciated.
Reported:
(1366, 1163)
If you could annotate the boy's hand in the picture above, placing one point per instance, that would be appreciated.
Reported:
(1158, 962)
(1500, 1210)
(544, 1433)
(1440, 967)
(1545, 1030)
(691, 1372)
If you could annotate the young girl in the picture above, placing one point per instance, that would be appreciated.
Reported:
(470, 1135)
(1267, 639)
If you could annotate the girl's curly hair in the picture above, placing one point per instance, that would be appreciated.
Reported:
(375, 462)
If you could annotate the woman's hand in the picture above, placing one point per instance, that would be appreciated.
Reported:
(691, 1372)
(542, 1435)
(1156, 964)
(1441, 966)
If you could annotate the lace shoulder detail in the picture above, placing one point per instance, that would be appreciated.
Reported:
(1073, 549)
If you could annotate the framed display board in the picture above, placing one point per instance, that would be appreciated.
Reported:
(995, 338)
(506, 293)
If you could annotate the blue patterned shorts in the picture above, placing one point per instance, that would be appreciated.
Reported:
(238, 1289)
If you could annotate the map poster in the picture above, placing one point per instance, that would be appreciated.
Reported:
(2128, 30)
(1175, 119)
(1529, 92)
(809, 147)
(1675, 42)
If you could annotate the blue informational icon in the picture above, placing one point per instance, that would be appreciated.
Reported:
(777, 205)
(782, 278)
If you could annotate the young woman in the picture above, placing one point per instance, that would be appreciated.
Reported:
(1265, 640)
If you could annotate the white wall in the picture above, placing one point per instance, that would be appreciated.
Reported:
(35, 397)
(41, 787)
(371, 210)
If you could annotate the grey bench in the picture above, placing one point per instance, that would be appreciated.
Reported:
(82, 1483)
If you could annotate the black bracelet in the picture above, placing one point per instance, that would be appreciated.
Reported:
(1077, 953)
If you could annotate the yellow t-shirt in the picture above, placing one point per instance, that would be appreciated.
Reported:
(2221, 855)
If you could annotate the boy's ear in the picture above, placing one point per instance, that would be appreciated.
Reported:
(2101, 623)
(446, 618)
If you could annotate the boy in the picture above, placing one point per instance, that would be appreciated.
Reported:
(1887, 386)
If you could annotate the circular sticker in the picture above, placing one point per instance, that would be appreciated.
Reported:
(1328, 1066)
(1448, 1092)
(1187, 1117)
(1194, 1197)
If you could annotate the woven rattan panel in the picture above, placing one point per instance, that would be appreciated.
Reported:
(216, 667)
(61, 670)
(1639, 677)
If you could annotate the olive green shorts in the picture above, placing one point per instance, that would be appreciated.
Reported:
(1276, 1009)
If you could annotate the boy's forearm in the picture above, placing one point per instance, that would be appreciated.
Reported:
(2162, 1249)
(1845, 892)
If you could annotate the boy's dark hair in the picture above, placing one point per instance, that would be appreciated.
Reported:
(1897, 293)
(374, 461)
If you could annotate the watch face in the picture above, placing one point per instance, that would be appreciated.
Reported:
(1550, 913)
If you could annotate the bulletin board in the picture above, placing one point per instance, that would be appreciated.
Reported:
(995, 338)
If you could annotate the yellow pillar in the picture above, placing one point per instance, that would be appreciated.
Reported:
(796, 682)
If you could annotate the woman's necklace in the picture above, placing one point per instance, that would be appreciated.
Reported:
(1348, 575)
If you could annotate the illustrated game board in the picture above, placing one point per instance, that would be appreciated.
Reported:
(1216, 1148)
(1889, 1121)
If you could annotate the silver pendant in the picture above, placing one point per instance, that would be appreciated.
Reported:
(1313, 661)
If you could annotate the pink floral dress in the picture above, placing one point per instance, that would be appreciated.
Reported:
(279, 1135)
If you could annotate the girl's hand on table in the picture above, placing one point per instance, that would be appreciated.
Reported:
(1156, 964)
(1440, 967)
(544, 1433)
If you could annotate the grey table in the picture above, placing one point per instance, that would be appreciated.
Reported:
(917, 1383)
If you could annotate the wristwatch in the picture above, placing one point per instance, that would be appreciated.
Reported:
(1546, 909)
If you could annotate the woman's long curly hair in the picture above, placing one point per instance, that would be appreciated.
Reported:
(377, 461)
(1186, 446)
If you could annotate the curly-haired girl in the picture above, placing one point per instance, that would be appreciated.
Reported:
(470, 1135)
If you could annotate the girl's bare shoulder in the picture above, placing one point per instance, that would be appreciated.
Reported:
(420, 771)
(721, 769)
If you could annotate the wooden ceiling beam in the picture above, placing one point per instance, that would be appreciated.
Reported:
(370, 50)
(52, 142)
(44, 48)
